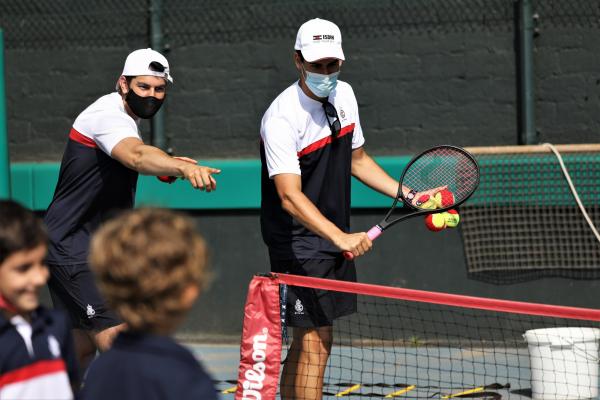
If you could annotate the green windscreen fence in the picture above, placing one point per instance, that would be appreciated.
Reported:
(524, 223)
(238, 187)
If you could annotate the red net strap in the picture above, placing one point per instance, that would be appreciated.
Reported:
(448, 299)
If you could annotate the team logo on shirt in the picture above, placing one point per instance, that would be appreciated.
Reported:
(53, 346)
(299, 307)
(91, 313)
(342, 114)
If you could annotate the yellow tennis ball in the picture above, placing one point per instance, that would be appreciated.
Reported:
(435, 222)
(452, 218)
(426, 202)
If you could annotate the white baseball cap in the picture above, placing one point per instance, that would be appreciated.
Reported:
(147, 62)
(319, 38)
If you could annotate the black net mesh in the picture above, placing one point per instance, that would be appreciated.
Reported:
(523, 222)
(437, 350)
(414, 344)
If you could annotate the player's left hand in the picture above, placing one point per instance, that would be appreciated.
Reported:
(430, 193)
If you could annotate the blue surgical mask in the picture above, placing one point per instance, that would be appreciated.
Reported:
(321, 85)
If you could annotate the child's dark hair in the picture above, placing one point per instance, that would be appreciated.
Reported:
(20, 229)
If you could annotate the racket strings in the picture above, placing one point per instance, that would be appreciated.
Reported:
(445, 166)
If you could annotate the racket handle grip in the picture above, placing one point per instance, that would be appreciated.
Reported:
(373, 234)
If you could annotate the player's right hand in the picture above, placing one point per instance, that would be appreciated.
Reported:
(355, 243)
(170, 179)
(200, 177)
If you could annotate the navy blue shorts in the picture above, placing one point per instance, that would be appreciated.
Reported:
(73, 289)
(312, 308)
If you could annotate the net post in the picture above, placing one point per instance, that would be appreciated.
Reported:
(157, 123)
(260, 347)
(528, 134)
(4, 158)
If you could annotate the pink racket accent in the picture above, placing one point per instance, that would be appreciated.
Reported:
(373, 234)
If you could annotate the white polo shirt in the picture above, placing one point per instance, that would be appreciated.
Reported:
(106, 123)
(296, 139)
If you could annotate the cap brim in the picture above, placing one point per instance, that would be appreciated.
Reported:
(159, 75)
(313, 54)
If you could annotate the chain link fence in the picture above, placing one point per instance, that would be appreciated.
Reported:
(43, 24)
(568, 13)
(67, 24)
(422, 69)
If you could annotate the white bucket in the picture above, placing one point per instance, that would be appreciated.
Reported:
(564, 363)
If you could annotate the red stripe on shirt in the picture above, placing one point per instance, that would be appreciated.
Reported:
(8, 306)
(325, 141)
(37, 369)
(80, 138)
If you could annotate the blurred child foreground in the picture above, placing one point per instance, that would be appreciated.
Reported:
(151, 266)
(37, 358)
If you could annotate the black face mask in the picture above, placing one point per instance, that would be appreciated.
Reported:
(143, 107)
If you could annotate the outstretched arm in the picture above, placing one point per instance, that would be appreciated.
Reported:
(150, 160)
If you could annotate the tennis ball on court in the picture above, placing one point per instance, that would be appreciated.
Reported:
(435, 222)
(452, 218)
(426, 202)
(444, 198)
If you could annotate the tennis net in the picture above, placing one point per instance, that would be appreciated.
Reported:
(524, 223)
(404, 343)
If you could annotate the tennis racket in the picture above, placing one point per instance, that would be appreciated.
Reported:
(449, 167)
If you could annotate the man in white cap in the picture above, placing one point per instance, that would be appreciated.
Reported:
(98, 176)
(312, 143)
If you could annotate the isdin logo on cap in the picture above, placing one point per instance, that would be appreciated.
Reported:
(323, 38)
